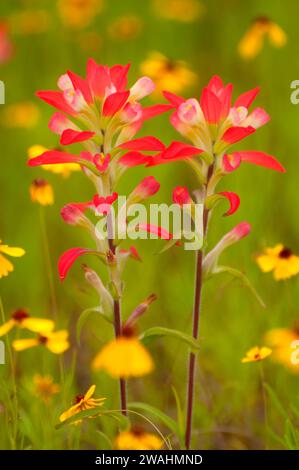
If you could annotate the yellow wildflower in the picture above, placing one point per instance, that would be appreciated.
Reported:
(56, 341)
(42, 192)
(180, 10)
(253, 40)
(125, 27)
(137, 439)
(6, 266)
(257, 354)
(45, 388)
(281, 340)
(168, 74)
(21, 319)
(82, 403)
(78, 14)
(24, 115)
(280, 260)
(124, 356)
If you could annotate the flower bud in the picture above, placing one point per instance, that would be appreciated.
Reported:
(190, 113)
(72, 214)
(146, 188)
(143, 87)
(181, 196)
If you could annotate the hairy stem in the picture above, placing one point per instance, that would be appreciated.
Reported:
(195, 329)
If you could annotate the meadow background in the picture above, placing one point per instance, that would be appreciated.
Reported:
(229, 401)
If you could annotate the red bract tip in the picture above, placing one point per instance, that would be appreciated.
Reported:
(181, 196)
(68, 258)
(234, 201)
(147, 187)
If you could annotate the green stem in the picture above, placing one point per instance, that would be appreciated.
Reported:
(48, 262)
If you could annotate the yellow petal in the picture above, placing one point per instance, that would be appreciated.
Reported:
(124, 357)
(6, 327)
(6, 266)
(22, 344)
(38, 325)
(12, 251)
(73, 410)
(266, 263)
(57, 342)
(276, 35)
(265, 352)
(89, 392)
(252, 42)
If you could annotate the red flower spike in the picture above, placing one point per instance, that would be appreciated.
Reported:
(102, 204)
(119, 76)
(115, 102)
(235, 134)
(57, 156)
(55, 99)
(175, 100)
(181, 195)
(68, 258)
(143, 143)
(234, 201)
(98, 78)
(259, 158)
(211, 106)
(101, 161)
(80, 84)
(70, 136)
(246, 98)
(131, 159)
(147, 187)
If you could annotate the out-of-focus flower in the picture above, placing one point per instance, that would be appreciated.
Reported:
(253, 40)
(257, 354)
(125, 28)
(90, 41)
(42, 192)
(21, 319)
(63, 169)
(6, 266)
(280, 260)
(124, 357)
(137, 439)
(78, 14)
(24, 115)
(82, 403)
(45, 387)
(281, 340)
(172, 75)
(28, 22)
(6, 46)
(179, 10)
(55, 341)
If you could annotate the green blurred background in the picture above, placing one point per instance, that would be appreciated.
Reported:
(228, 398)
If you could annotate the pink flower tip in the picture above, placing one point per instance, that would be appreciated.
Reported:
(241, 230)
(147, 187)
(72, 213)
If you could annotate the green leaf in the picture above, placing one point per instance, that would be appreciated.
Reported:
(180, 415)
(86, 314)
(156, 331)
(169, 244)
(276, 402)
(152, 410)
(213, 200)
(239, 275)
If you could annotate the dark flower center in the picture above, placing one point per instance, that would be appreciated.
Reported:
(78, 398)
(40, 183)
(20, 315)
(42, 339)
(262, 20)
(285, 253)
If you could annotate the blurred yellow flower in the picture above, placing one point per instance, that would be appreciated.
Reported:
(45, 388)
(6, 266)
(280, 340)
(125, 27)
(78, 14)
(257, 354)
(56, 341)
(137, 439)
(90, 41)
(280, 260)
(21, 319)
(167, 74)
(30, 22)
(24, 115)
(82, 403)
(180, 10)
(124, 357)
(63, 169)
(42, 192)
(253, 40)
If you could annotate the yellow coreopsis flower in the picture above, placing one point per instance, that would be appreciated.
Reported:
(55, 341)
(63, 169)
(137, 439)
(45, 388)
(280, 260)
(179, 10)
(124, 357)
(125, 27)
(253, 40)
(257, 354)
(42, 192)
(23, 115)
(78, 14)
(6, 266)
(281, 340)
(168, 74)
(21, 319)
(82, 403)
